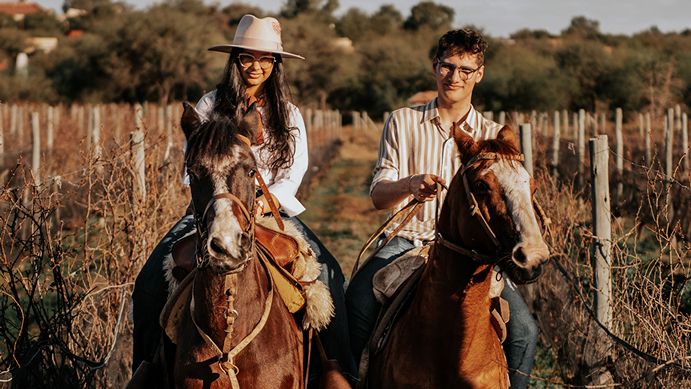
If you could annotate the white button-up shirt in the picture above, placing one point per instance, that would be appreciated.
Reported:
(412, 143)
(285, 182)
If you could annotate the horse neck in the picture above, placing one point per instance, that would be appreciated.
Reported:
(454, 293)
(211, 302)
(458, 284)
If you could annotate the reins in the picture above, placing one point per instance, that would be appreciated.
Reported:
(406, 213)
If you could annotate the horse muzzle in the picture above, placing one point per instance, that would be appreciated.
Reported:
(228, 254)
(525, 263)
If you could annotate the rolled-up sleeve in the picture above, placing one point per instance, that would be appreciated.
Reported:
(388, 164)
(287, 180)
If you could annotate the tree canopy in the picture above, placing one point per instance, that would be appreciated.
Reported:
(355, 60)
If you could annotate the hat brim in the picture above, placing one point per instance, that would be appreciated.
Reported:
(229, 48)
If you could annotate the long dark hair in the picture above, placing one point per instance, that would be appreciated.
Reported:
(230, 101)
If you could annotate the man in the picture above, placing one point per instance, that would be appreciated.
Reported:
(417, 152)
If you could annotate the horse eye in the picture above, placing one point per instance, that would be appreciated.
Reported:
(251, 173)
(481, 187)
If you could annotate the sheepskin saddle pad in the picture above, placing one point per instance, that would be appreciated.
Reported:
(289, 248)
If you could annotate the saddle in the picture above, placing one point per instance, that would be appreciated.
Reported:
(282, 248)
(291, 264)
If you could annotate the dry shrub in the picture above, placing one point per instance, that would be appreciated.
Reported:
(648, 343)
(73, 242)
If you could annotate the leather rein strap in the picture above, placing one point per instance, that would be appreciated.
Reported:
(406, 214)
(225, 355)
(265, 189)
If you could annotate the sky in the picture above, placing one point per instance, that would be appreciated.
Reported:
(500, 18)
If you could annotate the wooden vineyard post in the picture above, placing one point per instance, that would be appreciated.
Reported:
(685, 143)
(580, 139)
(138, 164)
(648, 130)
(35, 148)
(619, 115)
(555, 142)
(527, 147)
(669, 162)
(602, 230)
(2, 135)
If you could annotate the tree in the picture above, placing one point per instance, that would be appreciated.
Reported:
(585, 62)
(386, 19)
(429, 14)
(584, 28)
(43, 23)
(327, 65)
(293, 8)
(354, 24)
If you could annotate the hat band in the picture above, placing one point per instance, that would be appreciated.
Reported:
(258, 44)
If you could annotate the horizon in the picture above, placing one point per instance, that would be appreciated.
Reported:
(501, 18)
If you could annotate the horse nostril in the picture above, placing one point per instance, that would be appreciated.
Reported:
(519, 255)
(216, 246)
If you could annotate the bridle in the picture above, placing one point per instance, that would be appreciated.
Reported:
(477, 213)
(224, 353)
(246, 224)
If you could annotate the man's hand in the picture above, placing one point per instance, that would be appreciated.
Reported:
(423, 187)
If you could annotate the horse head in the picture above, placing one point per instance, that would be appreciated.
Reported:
(221, 168)
(491, 206)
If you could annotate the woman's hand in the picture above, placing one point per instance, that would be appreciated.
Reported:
(423, 187)
(262, 205)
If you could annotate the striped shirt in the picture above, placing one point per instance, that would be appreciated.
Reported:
(412, 142)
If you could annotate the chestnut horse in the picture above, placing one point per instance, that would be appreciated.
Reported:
(444, 339)
(237, 333)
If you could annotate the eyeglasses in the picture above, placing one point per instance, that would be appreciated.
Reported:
(247, 60)
(445, 68)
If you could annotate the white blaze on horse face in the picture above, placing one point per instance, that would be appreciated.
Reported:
(515, 181)
(225, 232)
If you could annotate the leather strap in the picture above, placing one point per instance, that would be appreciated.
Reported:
(265, 189)
(406, 213)
(270, 200)
(225, 359)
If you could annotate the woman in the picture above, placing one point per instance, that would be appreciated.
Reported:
(253, 76)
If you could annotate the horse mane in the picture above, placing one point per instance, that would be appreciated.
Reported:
(215, 137)
(498, 146)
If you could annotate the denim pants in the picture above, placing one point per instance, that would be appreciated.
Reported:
(363, 311)
(150, 294)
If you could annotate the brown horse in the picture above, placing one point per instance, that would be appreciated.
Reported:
(445, 339)
(237, 333)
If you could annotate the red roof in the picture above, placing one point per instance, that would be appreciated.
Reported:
(74, 33)
(19, 8)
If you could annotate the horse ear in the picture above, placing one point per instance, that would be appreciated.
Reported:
(190, 120)
(466, 144)
(506, 134)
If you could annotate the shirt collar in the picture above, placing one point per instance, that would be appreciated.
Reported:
(431, 113)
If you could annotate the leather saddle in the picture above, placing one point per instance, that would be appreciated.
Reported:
(281, 247)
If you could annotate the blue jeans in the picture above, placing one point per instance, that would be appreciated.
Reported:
(521, 339)
(363, 310)
(363, 307)
(151, 291)
(150, 294)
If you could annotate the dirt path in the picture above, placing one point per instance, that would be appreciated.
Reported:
(339, 209)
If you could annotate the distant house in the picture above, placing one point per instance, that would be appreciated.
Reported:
(19, 10)
(422, 97)
(45, 44)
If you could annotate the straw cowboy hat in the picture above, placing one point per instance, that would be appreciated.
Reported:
(257, 34)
